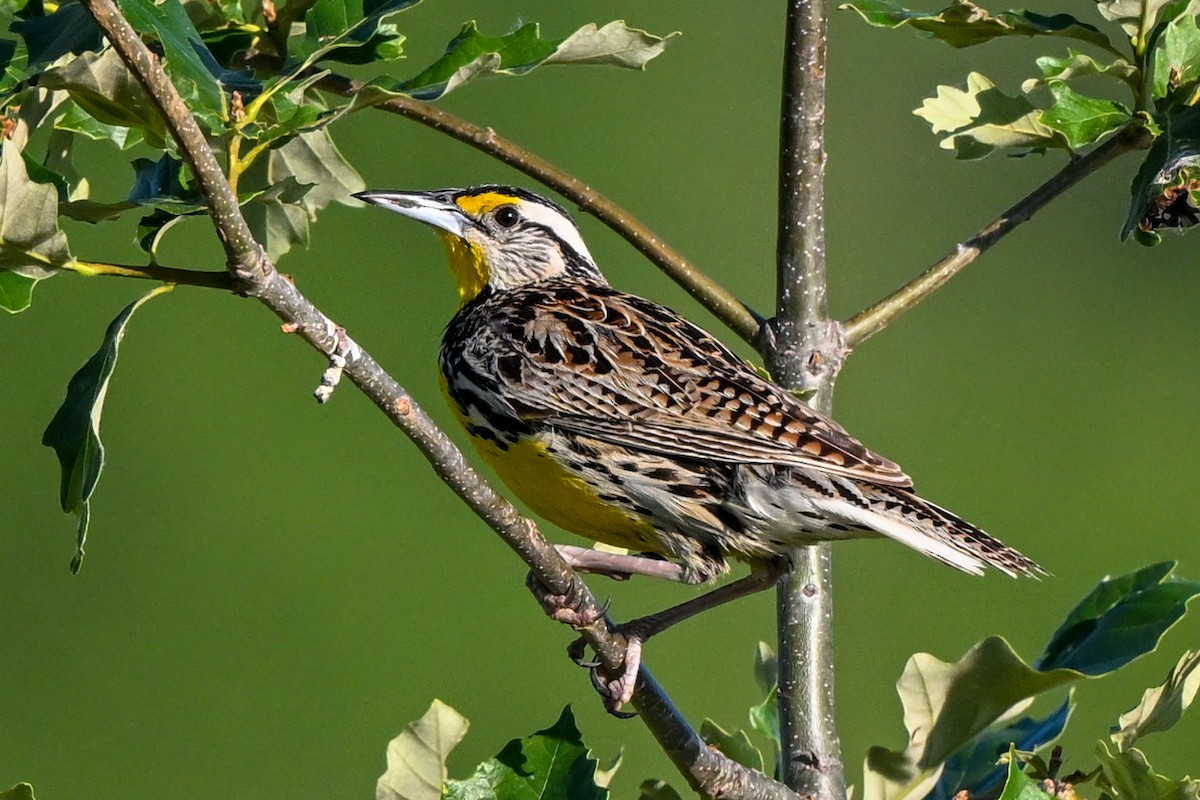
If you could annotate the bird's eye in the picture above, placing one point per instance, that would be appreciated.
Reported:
(507, 216)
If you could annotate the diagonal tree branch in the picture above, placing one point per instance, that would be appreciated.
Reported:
(804, 350)
(242, 253)
(872, 320)
(705, 769)
(726, 307)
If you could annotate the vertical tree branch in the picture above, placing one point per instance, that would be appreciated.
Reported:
(804, 350)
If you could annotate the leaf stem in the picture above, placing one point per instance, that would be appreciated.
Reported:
(875, 318)
(725, 306)
(154, 272)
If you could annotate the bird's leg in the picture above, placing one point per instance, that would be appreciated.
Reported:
(763, 574)
(567, 609)
(618, 691)
(619, 566)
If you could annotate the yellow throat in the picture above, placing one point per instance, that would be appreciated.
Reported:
(468, 265)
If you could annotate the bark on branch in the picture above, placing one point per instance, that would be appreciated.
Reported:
(804, 350)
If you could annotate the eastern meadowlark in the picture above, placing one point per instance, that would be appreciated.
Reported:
(615, 418)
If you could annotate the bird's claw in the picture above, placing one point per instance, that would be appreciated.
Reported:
(569, 609)
(577, 652)
(616, 692)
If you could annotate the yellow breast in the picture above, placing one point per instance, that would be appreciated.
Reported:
(560, 495)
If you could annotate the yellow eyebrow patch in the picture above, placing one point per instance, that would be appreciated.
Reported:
(478, 204)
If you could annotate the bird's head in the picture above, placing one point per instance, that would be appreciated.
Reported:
(498, 237)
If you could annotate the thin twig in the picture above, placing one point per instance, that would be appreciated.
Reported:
(804, 350)
(872, 320)
(705, 769)
(727, 308)
(209, 279)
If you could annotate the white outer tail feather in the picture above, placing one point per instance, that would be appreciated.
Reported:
(905, 533)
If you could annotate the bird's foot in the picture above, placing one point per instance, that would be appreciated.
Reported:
(616, 690)
(570, 608)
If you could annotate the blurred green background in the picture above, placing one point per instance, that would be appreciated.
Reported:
(273, 589)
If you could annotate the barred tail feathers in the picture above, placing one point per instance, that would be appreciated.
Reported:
(901, 515)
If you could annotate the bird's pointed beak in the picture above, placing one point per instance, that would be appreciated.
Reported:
(432, 208)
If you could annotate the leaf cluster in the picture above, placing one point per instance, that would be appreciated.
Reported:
(254, 76)
(1141, 79)
(969, 733)
(967, 721)
(550, 763)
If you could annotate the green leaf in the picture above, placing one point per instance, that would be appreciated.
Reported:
(946, 706)
(151, 228)
(1121, 619)
(74, 433)
(194, 71)
(764, 717)
(16, 69)
(982, 119)
(38, 173)
(276, 217)
(22, 791)
(735, 744)
(1165, 188)
(16, 292)
(1078, 65)
(287, 110)
(76, 120)
(348, 30)
(615, 45)
(313, 160)
(1081, 119)
(766, 668)
(60, 151)
(1177, 58)
(963, 24)
(1161, 706)
(104, 88)
(974, 767)
(70, 29)
(1128, 776)
(416, 759)
(657, 790)
(471, 54)
(1020, 786)
(551, 764)
(157, 184)
(31, 243)
(1136, 17)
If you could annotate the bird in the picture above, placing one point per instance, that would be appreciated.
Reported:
(617, 419)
